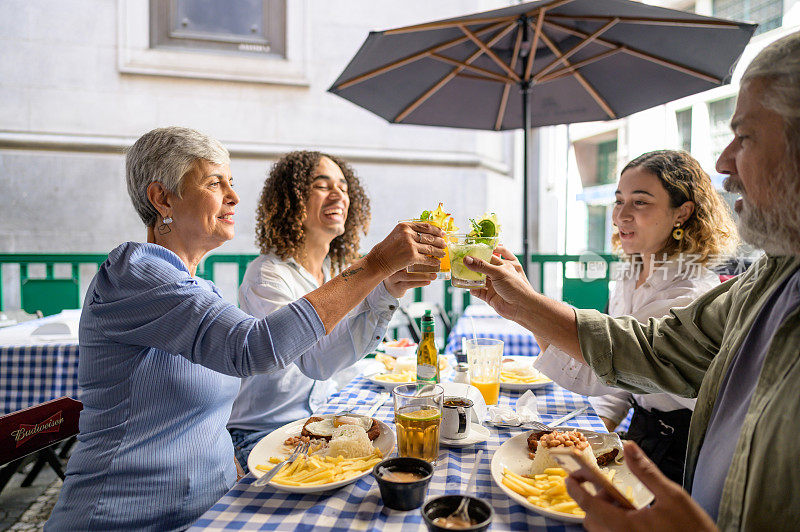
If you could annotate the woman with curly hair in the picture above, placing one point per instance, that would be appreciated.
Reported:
(309, 221)
(671, 224)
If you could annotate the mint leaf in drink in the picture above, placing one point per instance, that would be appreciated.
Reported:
(476, 229)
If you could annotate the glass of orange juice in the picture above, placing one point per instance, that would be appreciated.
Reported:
(442, 271)
(484, 356)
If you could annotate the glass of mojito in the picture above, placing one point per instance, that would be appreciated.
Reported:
(461, 246)
(478, 243)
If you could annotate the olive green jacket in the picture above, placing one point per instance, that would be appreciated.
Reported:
(688, 353)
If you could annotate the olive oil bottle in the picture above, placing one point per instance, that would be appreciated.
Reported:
(427, 354)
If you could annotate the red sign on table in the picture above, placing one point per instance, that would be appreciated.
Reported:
(26, 431)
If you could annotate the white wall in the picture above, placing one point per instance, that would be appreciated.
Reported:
(71, 102)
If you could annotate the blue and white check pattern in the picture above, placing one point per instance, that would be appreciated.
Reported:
(358, 506)
(34, 374)
(517, 340)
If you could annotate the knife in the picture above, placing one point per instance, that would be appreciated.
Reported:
(378, 403)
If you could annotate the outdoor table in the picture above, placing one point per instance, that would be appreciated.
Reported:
(486, 323)
(358, 506)
(38, 368)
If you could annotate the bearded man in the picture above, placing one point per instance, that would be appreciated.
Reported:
(736, 349)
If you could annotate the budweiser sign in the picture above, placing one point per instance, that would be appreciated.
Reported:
(25, 432)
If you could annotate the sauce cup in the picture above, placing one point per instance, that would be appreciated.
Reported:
(479, 511)
(403, 495)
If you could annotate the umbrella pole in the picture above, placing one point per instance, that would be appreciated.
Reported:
(525, 89)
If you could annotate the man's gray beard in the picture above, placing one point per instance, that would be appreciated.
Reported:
(776, 230)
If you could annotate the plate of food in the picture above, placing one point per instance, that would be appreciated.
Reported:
(518, 373)
(339, 455)
(526, 469)
(400, 348)
(397, 371)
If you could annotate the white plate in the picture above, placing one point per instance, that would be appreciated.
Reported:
(386, 384)
(391, 385)
(477, 434)
(513, 454)
(272, 445)
(522, 386)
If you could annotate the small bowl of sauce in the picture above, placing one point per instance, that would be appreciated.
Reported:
(403, 481)
(438, 511)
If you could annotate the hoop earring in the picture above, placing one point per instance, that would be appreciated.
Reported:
(164, 228)
(677, 233)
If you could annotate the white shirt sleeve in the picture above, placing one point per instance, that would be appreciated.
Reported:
(354, 337)
(614, 405)
(569, 373)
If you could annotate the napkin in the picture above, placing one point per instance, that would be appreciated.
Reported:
(527, 410)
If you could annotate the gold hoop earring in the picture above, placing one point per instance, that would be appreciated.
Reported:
(677, 233)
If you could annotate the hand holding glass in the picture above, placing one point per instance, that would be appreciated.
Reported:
(460, 246)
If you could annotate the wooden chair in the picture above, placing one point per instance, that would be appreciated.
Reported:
(37, 430)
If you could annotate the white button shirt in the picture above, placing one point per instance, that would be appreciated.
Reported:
(670, 285)
(266, 402)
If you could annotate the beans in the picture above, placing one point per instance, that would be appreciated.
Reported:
(572, 438)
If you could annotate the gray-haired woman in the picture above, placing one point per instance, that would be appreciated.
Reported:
(162, 353)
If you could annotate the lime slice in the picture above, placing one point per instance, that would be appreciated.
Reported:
(487, 228)
(421, 415)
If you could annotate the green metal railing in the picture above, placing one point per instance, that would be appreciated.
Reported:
(51, 294)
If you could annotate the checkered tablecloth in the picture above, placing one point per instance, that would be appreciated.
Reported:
(483, 321)
(359, 506)
(34, 370)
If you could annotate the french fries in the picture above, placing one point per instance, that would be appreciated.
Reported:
(515, 378)
(317, 470)
(546, 490)
(406, 376)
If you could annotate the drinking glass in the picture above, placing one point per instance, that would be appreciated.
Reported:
(442, 271)
(417, 416)
(460, 246)
(485, 356)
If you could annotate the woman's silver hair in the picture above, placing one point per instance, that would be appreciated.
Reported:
(165, 155)
(779, 65)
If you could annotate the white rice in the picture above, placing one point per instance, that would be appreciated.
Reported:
(349, 441)
(543, 459)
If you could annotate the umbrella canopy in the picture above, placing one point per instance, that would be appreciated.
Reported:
(571, 60)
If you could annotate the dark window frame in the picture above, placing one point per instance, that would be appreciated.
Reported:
(270, 41)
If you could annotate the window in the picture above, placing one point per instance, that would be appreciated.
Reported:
(720, 113)
(244, 26)
(684, 120)
(237, 43)
(596, 227)
(767, 13)
(607, 162)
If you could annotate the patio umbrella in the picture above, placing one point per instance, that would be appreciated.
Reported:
(569, 60)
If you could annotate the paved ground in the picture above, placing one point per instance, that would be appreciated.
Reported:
(14, 501)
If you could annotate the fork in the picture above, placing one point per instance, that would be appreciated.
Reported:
(537, 425)
(263, 481)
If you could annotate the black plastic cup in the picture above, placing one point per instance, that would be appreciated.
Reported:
(477, 509)
(403, 495)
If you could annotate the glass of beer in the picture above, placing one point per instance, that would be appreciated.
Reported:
(485, 356)
(417, 416)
